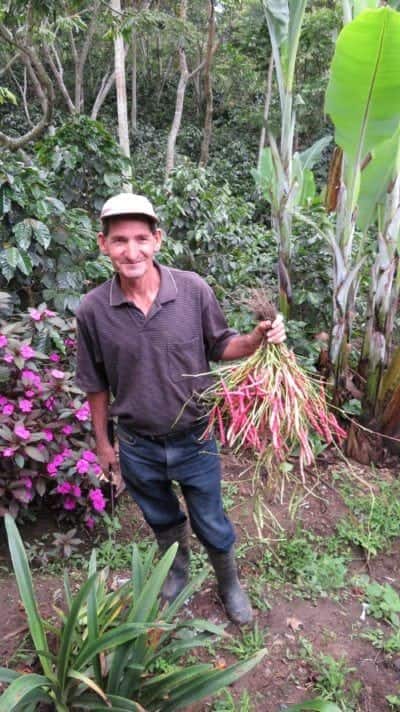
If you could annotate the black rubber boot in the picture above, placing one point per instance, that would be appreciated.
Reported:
(234, 598)
(178, 575)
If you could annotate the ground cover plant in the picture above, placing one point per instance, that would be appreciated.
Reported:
(108, 644)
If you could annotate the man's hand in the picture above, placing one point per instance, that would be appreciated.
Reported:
(244, 345)
(108, 462)
(275, 331)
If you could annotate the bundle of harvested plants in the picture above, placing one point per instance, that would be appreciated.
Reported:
(268, 405)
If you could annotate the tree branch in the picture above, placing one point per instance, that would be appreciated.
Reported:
(46, 92)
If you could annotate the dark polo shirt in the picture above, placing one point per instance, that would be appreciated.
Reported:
(149, 362)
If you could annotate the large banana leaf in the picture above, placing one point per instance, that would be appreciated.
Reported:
(363, 95)
(284, 19)
(25, 587)
(376, 178)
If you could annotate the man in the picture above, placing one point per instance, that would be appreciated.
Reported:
(144, 336)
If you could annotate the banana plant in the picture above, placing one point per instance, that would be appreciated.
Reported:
(284, 20)
(109, 642)
(385, 283)
(363, 101)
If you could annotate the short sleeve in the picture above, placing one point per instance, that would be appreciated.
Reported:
(217, 333)
(90, 372)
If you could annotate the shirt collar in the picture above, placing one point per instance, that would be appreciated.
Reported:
(167, 293)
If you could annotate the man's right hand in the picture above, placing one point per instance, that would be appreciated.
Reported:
(108, 462)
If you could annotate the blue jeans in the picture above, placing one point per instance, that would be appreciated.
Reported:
(148, 467)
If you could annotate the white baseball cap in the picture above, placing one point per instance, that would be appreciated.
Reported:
(128, 204)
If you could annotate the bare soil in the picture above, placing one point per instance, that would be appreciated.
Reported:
(331, 623)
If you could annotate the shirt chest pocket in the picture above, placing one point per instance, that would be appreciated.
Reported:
(186, 359)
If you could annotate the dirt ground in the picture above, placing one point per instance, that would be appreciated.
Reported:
(332, 624)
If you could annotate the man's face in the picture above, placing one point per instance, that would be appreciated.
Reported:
(131, 245)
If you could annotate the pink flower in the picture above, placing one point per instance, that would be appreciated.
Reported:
(49, 403)
(48, 434)
(90, 522)
(76, 491)
(67, 452)
(31, 378)
(3, 401)
(69, 503)
(69, 342)
(57, 374)
(67, 429)
(8, 409)
(27, 482)
(58, 460)
(54, 357)
(83, 412)
(22, 432)
(48, 312)
(51, 469)
(8, 451)
(97, 469)
(8, 358)
(3, 341)
(64, 488)
(36, 315)
(25, 405)
(89, 456)
(29, 394)
(26, 351)
(82, 466)
(97, 499)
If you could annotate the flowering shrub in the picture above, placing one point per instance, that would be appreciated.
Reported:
(45, 436)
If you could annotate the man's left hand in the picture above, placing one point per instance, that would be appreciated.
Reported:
(274, 332)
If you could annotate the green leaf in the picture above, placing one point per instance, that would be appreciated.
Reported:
(210, 682)
(24, 263)
(318, 705)
(23, 234)
(277, 12)
(12, 255)
(19, 689)
(375, 180)
(311, 155)
(25, 587)
(67, 636)
(113, 638)
(93, 624)
(363, 95)
(7, 675)
(34, 453)
(42, 233)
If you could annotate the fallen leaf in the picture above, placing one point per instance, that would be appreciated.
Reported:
(294, 623)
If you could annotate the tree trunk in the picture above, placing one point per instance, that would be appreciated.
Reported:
(105, 87)
(208, 89)
(134, 83)
(180, 96)
(82, 57)
(120, 84)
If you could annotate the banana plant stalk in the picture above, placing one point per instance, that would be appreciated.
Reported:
(284, 19)
(383, 299)
(361, 73)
